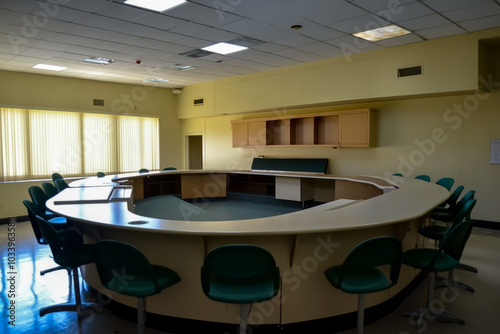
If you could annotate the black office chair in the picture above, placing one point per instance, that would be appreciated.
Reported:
(60, 185)
(50, 189)
(144, 280)
(445, 258)
(69, 255)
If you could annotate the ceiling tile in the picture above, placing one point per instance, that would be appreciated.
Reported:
(474, 12)
(99, 21)
(441, 31)
(360, 23)
(423, 22)
(160, 21)
(447, 5)
(409, 11)
(481, 24)
(121, 11)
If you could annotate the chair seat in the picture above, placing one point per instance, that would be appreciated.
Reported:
(422, 258)
(434, 232)
(142, 286)
(441, 215)
(358, 281)
(241, 291)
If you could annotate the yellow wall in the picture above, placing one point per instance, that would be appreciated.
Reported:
(426, 132)
(23, 90)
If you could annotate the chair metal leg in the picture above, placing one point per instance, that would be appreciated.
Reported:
(68, 307)
(451, 282)
(361, 313)
(466, 267)
(43, 272)
(429, 314)
(243, 318)
(141, 315)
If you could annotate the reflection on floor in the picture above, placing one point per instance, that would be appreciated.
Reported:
(29, 291)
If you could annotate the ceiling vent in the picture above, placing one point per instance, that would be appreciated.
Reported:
(196, 53)
(198, 102)
(409, 71)
(246, 41)
(98, 102)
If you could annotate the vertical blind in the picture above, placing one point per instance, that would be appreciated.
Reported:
(37, 143)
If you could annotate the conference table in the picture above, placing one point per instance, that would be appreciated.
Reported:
(347, 210)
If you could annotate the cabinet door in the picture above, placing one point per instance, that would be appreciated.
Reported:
(355, 129)
(257, 133)
(240, 134)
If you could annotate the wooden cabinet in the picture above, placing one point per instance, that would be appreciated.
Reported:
(332, 129)
(294, 189)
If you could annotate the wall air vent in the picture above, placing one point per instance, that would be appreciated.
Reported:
(409, 71)
(98, 102)
(198, 102)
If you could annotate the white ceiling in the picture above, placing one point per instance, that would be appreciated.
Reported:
(65, 32)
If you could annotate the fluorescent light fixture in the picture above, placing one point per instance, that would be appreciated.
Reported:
(156, 5)
(99, 60)
(224, 48)
(382, 33)
(180, 67)
(156, 80)
(49, 67)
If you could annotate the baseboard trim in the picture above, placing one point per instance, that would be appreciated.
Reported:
(4, 221)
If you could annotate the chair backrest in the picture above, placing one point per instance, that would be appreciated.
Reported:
(33, 210)
(38, 196)
(100, 174)
(453, 243)
(56, 176)
(61, 184)
(169, 168)
(464, 213)
(453, 199)
(460, 204)
(113, 257)
(376, 252)
(49, 189)
(423, 177)
(446, 182)
(50, 235)
(239, 261)
(143, 170)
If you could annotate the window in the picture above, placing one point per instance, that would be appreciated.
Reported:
(37, 143)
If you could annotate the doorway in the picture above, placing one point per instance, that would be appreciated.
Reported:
(195, 152)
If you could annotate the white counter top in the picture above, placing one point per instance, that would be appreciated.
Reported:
(413, 199)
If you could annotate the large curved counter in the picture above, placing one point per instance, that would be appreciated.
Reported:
(303, 243)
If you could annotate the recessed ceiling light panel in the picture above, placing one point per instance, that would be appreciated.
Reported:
(49, 67)
(224, 48)
(156, 5)
(381, 33)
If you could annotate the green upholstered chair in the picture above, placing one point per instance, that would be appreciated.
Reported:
(451, 202)
(449, 215)
(39, 197)
(67, 253)
(446, 182)
(437, 232)
(50, 189)
(100, 174)
(60, 185)
(423, 177)
(169, 168)
(143, 170)
(56, 176)
(143, 278)
(445, 258)
(360, 273)
(69, 236)
(240, 274)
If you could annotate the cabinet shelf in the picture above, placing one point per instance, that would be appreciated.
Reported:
(354, 128)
